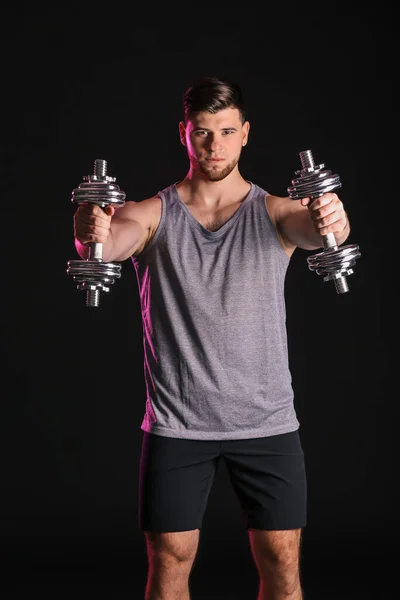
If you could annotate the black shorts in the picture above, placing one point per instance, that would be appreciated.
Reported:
(267, 474)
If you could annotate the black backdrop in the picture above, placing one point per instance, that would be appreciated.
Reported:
(105, 83)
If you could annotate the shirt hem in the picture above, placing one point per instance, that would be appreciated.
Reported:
(187, 434)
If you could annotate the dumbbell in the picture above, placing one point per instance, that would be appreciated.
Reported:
(94, 275)
(334, 263)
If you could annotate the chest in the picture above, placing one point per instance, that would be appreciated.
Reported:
(212, 220)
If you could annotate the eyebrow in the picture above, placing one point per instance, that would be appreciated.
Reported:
(206, 129)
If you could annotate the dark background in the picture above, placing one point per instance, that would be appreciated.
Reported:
(107, 83)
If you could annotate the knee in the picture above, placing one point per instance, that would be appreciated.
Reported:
(278, 561)
(174, 548)
(279, 552)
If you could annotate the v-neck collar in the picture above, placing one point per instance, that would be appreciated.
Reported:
(227, 225)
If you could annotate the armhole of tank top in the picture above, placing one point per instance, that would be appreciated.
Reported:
(275, 232)
(266, 194)
(159, 228)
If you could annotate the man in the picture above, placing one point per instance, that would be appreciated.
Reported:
(211, 254)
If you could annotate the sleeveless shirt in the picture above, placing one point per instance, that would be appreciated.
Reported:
(214, 325)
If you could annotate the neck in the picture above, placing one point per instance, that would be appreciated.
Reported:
(195, 189)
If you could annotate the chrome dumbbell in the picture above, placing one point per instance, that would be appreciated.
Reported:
(334, 263)
(94, 275)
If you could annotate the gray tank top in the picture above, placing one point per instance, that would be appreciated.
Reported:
(214, 325)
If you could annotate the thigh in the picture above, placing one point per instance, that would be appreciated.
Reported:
(278, 544)
(174, 482)
(268, 475)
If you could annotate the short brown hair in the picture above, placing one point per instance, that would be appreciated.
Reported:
(212, 94)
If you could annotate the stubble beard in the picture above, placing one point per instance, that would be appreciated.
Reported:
(212, 173)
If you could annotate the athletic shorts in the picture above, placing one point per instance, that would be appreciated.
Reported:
(267, 474)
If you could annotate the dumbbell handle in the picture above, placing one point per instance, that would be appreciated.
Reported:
(95, 251)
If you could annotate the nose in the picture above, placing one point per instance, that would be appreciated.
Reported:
(215, 143)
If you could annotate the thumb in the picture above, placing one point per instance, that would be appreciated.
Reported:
(109, 210)
(305, 201)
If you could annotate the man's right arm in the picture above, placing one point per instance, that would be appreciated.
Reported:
(123, 232)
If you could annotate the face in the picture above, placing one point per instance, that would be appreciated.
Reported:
(214, 142)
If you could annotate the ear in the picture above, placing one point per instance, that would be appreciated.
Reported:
(246, 129)
(182, 133)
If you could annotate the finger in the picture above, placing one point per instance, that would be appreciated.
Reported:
(330, 220)
(96, 215)
(87, 232)
(93, 220)
(329, 214)
(334, 227)
(324, 200)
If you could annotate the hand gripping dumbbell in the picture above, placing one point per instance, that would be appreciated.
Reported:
(94, 275)
(334, 263)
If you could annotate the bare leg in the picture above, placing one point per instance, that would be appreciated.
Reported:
(277, 557)
(171, 557)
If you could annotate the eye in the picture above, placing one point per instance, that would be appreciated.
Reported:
(201, 133)
(228, 131)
